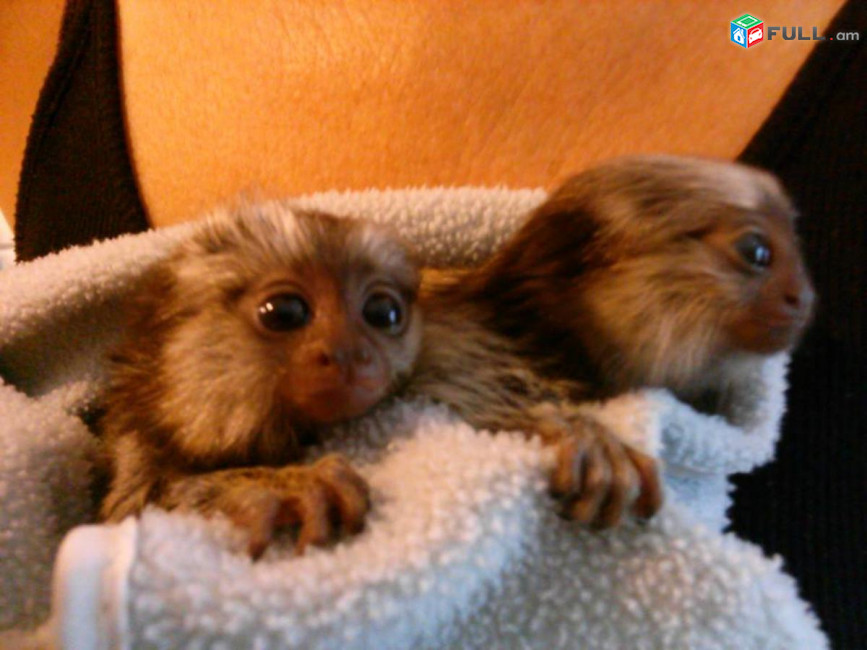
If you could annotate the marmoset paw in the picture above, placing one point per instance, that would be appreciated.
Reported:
(323, 499)
(598, 478)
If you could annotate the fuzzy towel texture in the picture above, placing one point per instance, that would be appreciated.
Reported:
(462, 549)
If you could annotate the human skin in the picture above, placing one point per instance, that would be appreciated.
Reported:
(403, 94)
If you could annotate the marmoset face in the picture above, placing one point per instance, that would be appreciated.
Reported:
(270, 319)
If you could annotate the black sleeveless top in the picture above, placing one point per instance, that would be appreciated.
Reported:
(77, 185)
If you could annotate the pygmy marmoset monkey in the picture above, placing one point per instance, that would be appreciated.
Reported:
(649, 271)
(652, 271)
(264, 325)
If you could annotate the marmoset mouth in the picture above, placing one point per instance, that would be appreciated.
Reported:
(341, 401)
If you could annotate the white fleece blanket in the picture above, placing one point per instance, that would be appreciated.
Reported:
(462, 548)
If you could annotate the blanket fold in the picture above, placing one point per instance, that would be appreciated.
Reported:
(462, 549)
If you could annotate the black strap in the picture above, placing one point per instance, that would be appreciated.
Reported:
(77, 183)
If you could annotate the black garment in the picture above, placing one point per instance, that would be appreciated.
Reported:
(77, 182)
(810, 506)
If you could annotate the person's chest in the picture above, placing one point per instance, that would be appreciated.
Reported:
(290, 99)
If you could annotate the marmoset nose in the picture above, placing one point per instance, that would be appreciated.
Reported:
(798, 295)
(344, 358)
(329, 357)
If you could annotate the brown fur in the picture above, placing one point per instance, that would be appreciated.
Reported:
(200, 386)
(628, 276)
(493, 383)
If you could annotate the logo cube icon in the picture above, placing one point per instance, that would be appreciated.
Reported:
(747, 31)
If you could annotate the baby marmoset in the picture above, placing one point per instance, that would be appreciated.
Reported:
(262, 326)
(657, 271)
(653, 271)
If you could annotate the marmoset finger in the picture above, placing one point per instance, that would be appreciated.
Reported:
(316, 527)
(594, 488)
(623, 487)
(254, 510)
(649, 500)
(569, 468)
(347, 492)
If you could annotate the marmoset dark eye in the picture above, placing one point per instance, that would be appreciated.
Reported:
(755, 250)
(383, 311)
(283, 312)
